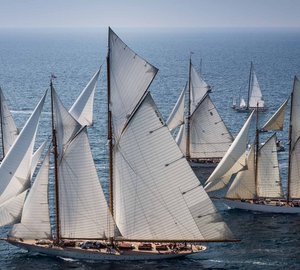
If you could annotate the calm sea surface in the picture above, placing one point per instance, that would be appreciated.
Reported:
(28, 57)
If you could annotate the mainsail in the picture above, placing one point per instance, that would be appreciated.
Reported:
(294, 147)
(9, 131)
(82, 109)
(255, 95)
(148, 183)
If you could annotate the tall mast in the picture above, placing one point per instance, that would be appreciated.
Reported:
(290, 144)
(249, 85)
(256, 151)
(109, 133)
(189, 113)
(54, 141)
(1, 123)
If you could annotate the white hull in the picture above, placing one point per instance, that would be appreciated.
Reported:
(96, 255)
(269, 208)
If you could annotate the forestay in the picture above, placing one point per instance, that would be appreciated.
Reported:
(35, 221)
(83, 208)
(9, 130)
(209, 137)
(130, 77)
(294, 175)
(82, 109)
(157, 195)
(176, 118)
(15, 169)
(268, 176)
(220, 176)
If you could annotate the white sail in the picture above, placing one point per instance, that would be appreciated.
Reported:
(276, 121)
(294, 175)
(243, 185)
(176, 118)
(11, 209)
(82, 109)
(36, 156)
(130, 77)
(243, 103)
(268, 175)
(209, 137)
(181, 139)
(157, 195)
(256, 99)
(15, 169)
(82, 205)
(35, 221)
(9, 129)
(198, 88)
(66, 127)
(236, 150)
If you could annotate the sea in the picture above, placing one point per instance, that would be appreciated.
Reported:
(28, 57)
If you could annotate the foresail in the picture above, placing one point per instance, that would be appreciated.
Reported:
(181, 139)
(276, 121)
(15, 169)
(82, 109)
(209, 137)
(130, 77)
(236, 150)
(83, 209)
(157, 195)
(243, 185)
(268, 175)
(294, 175)
(9, 130)
(36, 156)
(11, 209)
(198, 88)
(35, 221)
(255, 93)
(176, 118)
(65, 125)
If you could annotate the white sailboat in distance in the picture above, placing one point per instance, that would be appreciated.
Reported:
(157, 207)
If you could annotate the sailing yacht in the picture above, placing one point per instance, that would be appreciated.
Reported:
(157, 208)
(255, 98)
(257, 184)
(203, 136)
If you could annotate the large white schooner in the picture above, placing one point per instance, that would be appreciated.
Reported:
(157, 207)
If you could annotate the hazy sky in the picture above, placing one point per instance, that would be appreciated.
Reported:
(150, 13)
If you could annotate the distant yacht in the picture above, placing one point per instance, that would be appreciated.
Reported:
(203, 136)
(255, 99)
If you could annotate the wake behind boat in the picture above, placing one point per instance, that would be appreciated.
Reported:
(157, 207)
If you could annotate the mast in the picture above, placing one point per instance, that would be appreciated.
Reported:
(249, 86)
(256, 151)
(1, 123)
(109, 134)
(290, 144)
(54, 141)
(189, 113)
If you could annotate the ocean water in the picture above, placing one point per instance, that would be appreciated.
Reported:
(28, 57)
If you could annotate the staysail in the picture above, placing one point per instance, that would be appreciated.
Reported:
(152, 176)
(35, 221)
(82, 109)
(217, 179)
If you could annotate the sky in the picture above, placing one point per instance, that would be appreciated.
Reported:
(149, 13)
